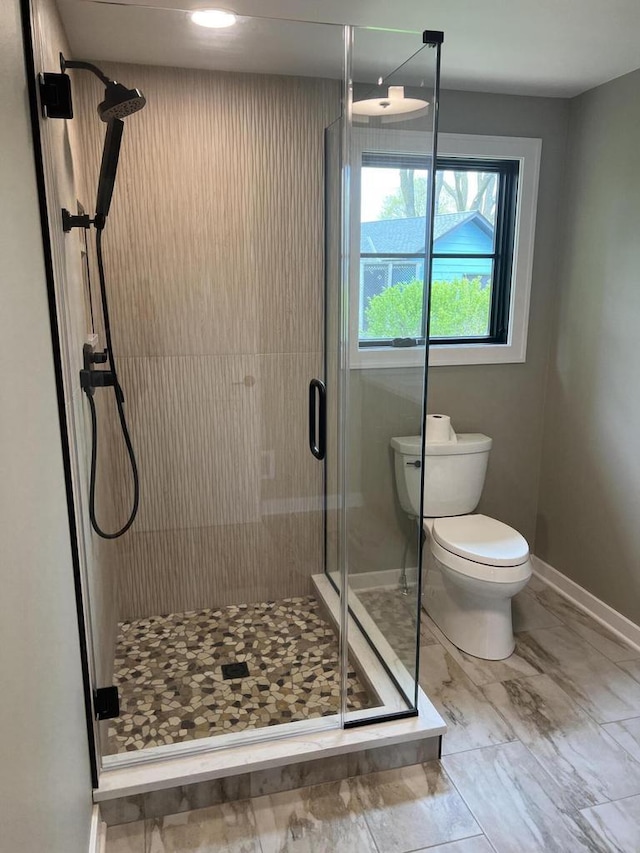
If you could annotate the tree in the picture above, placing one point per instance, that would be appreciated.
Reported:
(409, 200)
(454, 193)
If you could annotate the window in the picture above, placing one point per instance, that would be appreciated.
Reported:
(486, 191)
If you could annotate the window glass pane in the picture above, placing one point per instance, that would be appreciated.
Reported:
(465, 212)
(393, 207)
(391, 297)
(390, 193)
(461, 300)
(393, 222)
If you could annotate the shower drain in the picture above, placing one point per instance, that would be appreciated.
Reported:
(235, 670)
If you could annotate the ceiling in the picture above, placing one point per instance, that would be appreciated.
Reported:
(556, 48)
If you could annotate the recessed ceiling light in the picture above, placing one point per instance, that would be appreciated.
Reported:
(214, 18)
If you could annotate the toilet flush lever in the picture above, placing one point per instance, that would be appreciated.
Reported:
(416, 464)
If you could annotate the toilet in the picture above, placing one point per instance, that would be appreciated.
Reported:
(473, 565)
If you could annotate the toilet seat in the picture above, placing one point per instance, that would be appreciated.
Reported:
(481, 539)
(480, 547)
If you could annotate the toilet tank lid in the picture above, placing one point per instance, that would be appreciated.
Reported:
(468, 442)
(481, 539)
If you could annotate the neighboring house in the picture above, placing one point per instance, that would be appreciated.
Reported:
(456, 234)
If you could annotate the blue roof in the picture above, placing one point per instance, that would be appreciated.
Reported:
(408, 235)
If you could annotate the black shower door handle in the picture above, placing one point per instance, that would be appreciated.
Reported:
(317, 418)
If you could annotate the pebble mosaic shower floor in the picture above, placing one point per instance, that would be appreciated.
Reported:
(169, 672)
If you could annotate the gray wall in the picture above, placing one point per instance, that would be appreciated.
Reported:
(589, 501)
(45, 789)
(505, 401)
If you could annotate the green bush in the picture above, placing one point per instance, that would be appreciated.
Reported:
(396, 312)
(458, 308)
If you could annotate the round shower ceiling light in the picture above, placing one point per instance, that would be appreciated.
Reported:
(394, 104)
(213, 18)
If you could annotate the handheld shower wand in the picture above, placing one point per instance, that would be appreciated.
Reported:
(119, 102)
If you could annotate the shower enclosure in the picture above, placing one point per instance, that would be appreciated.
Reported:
(269, 583)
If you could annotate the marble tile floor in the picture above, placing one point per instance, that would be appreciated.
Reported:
(172, 687)
(542, 755)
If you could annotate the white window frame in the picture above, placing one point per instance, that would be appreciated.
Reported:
(527, 152)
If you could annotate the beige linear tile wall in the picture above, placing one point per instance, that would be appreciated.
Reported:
(62, 162)
(214, 255)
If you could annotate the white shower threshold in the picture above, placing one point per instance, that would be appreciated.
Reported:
(360, 649)
(225, 756)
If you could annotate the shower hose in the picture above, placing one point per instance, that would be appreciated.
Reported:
(121, 415)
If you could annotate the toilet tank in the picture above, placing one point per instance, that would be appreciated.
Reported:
(454, 474)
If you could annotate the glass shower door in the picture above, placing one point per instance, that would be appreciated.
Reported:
(377, 308)
(204, 615)
(230, 532)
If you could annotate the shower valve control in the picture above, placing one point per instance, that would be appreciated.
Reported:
(69, 221)
(90, 379)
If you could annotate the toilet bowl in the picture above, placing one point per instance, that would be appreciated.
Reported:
(473, 565)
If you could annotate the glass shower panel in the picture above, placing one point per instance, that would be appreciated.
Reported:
(213, 630)
(379, 324)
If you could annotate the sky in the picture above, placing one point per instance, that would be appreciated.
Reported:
(377, 184)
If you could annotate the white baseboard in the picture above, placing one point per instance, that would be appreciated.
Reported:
(618, 624)
(97, 832)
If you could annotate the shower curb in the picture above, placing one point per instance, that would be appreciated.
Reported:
(198, 795)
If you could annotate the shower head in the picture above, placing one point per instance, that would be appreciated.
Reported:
(119, 102)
